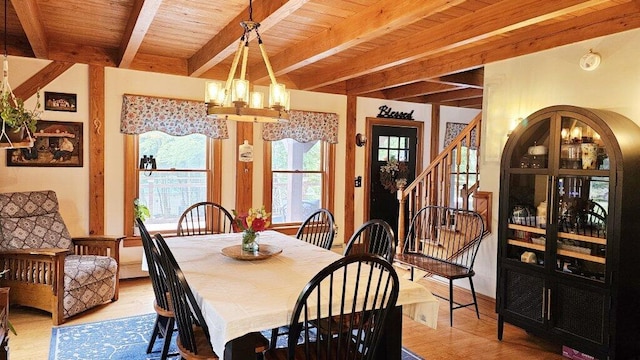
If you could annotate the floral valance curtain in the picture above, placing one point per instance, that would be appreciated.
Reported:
(452, 130)
(174, 117)
(304, 126)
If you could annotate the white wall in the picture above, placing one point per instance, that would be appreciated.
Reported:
(70, 183)
(518, 87)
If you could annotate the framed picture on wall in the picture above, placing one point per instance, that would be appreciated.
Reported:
(55, 101)
(56, 143)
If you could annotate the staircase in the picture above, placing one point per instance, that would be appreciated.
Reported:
(451, 180)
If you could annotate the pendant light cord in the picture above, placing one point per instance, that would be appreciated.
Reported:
(5, 27)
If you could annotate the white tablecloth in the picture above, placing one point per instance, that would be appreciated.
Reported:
(239, 297)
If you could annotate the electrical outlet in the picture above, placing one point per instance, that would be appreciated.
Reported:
(358, 181)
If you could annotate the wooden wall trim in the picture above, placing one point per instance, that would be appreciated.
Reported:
(350, 167)
(435, 132)
(39, 80)
(96, 150)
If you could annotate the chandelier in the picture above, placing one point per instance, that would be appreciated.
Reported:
(233, 98)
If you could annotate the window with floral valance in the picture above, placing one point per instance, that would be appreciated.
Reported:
(304, 126)
(175, 117)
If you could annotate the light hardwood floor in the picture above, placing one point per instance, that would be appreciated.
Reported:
(469, 338)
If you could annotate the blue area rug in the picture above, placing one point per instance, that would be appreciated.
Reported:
(125, 338)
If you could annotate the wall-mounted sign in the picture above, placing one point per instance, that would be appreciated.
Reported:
(387, 112)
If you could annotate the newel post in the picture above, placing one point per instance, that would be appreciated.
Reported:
(401, 200)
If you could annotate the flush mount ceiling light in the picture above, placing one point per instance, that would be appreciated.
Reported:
(590, 61)
(233, 99)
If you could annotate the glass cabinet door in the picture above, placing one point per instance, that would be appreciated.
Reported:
(526, 230)
(581, 147)
(582, 208)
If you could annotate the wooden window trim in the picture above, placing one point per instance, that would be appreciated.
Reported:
(131, 181)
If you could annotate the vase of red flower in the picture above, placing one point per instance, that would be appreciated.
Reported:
(251, 224)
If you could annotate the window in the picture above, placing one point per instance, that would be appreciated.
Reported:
(176, 173)
(298, 179)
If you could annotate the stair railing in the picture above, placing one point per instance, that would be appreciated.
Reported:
(451, 180)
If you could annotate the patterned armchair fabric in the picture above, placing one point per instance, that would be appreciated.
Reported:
(30, 220)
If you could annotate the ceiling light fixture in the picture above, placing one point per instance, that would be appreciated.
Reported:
(233, 98)
(590, 61)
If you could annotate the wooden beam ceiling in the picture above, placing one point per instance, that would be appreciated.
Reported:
(144, 11)
(378, 19)
(31, 22)
(488, 22)
(609, 21)
(267, 12)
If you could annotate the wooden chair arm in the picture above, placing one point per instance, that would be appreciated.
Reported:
(30, 252)
(103, 245)
(97, 239)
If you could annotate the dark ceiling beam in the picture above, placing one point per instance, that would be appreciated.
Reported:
(453, 95)
(522, 42)
(267, 12)
(472, 78)
(416, 89)
(142, 14)
(474, 103)
(31, 21)
(496, 19)
(375, 21)
(19, 46)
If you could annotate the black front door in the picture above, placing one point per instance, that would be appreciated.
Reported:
(393, 156)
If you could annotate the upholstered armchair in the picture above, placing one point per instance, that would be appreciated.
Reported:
(49, 270)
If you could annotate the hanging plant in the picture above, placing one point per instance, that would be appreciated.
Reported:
(15, 116)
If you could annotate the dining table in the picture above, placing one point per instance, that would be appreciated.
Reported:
(241, 294)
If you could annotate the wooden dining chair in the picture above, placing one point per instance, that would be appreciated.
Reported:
(361, 304)
(194, 340)
(204, 218)
(373, 237)
(165, 321)
(318, 229)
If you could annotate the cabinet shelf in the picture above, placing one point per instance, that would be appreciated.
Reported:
(589, 239)
(577, 255)
(525, 244)
(531, 229)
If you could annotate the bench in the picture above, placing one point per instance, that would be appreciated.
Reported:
(444, 242)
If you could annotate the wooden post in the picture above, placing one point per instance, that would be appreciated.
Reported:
(402, 201)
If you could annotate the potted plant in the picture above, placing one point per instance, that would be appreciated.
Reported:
(140, 211)
(15, 118)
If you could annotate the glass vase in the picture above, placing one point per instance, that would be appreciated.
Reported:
(250, 241)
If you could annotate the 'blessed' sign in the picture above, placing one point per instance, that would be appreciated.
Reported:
(387, 112)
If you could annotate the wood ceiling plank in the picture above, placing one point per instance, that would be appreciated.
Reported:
(605, 22)
(143, 13)
(82, 54)
(31, 21)
(453, 95)
(159, 64)
(493, 20)
(267, 12)
(416, 89)
(375, 21)
(43, 77)
(473, 78)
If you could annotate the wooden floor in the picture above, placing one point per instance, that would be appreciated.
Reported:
(469, 338)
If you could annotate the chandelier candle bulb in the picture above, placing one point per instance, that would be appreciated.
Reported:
(257, 100)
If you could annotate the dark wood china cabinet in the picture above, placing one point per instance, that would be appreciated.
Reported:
(569, 230)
